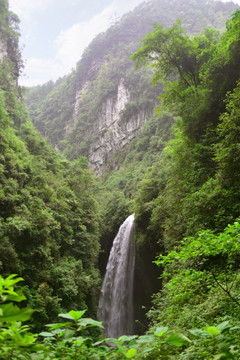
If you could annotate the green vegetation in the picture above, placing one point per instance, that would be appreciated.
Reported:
(193, 192)
(49, 222)
(193, 188)
(180, 176)
(74, 338)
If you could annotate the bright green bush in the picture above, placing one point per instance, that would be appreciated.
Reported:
(73, 337)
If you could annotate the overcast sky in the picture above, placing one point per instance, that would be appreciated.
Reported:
(56, 32)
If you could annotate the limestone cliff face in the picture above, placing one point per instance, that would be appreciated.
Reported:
(111, 131)
(3, 50)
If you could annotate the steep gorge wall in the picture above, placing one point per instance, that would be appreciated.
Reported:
(111, 103)
(111, 131)
(3, 50)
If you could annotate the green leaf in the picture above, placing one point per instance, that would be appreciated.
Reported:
(39, 357)
(58, 331)
(46, 334)
(117, 342)
(198, 332)
(178, 340)
(223, 326)
(145, 339)
(25, 340)
(10, 281)
(88, 322)
(16, 296)
(212, 330)
(72, 315)
(14, 313)
(66, 316)
(160, 331)
(76, 314)
(131, 353)
(127, 337)
(99, 343)
(57, 326)
(219, 357)
(80, 339)
(235, 328)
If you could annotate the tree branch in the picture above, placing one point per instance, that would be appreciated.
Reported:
(224, 289)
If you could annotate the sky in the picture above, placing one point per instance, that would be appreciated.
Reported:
(54, 33)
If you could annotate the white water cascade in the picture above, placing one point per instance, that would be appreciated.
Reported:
(116, 300)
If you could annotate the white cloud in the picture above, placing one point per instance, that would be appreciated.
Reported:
(24, 8)
(39, 71)
(70, 46)
(72, 42)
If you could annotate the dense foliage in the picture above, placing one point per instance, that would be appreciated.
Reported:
(180, 176)
(193, 193)
(73, 336)
(49, 223)
(194, 187)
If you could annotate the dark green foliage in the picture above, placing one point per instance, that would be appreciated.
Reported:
(49, 222)
(52, 115)
(207, 267)
(180, 176)
(188, 181)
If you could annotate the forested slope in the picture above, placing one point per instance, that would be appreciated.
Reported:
(193, 190)
(164, 188)
(187, 199)
(48, 212)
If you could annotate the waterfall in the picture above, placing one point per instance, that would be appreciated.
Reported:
(116, 300)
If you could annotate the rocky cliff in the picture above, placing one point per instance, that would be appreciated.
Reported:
(112, 131)
(3, 50)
